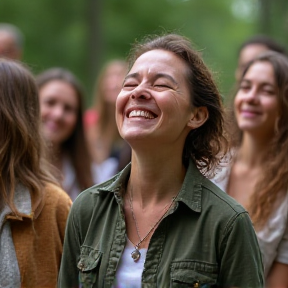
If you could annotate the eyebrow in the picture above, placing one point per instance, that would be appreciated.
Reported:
(262, 83)
(155, 77)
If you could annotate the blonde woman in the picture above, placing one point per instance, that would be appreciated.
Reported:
(109, 151)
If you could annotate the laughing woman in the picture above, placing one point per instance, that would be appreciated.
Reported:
(160, 222)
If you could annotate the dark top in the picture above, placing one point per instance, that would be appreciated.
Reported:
(207, 239)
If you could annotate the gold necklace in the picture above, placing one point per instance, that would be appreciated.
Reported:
(136, 253)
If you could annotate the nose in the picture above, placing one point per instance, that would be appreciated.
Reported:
(58, 112)
(140, 92)
(251, 95)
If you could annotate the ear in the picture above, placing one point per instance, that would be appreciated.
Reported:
(198, 117)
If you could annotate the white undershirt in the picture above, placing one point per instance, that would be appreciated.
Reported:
(129, 273)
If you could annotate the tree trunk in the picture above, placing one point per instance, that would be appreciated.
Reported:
(94, 8)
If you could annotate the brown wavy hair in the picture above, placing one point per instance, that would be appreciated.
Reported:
(207, 144)
(21, 146)
(75, 146)
(273, 181)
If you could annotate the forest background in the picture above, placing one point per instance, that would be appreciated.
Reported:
(81, 35)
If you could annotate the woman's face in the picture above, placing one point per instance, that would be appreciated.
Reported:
(247, 54)
(154, 102)
(256, 102)
(59, 106)
(113, 80)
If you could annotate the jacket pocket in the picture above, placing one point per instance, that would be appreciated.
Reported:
(88, 266)
(195, 274)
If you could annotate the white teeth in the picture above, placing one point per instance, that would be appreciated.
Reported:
(139, 113)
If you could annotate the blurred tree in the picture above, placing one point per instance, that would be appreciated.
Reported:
(82, 35)
(94, 9)
(273, 19)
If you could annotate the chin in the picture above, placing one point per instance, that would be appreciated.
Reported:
(250, 128)
(136, 138)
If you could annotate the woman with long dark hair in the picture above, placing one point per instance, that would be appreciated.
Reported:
(61, 98)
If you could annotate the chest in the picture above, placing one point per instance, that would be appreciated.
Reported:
(241, 184)
(176, 252)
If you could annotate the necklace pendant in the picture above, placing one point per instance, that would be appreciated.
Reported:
(135, 254)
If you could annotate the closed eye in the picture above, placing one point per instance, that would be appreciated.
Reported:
(244, 87)
(130, 85)
(162, 85)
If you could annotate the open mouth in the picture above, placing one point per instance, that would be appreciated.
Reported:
(141, 113)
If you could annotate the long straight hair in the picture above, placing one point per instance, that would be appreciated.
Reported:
(21, 147)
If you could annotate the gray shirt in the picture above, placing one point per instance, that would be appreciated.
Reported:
(10, 274)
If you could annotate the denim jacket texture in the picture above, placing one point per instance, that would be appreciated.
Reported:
(207, 239)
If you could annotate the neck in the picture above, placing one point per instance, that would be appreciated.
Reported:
(56, 155)
(153, 182)
(252, 151)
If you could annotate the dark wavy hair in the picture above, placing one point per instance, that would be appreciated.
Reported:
(22, 150)
(266, 41)
(207, 144)
(75, 146)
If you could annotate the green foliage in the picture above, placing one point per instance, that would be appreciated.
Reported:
(58, 33)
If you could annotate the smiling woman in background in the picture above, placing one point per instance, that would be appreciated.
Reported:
(110, 153)
(61, 99)
(257, 177)
(160, 222)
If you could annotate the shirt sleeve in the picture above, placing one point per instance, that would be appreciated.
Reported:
(282, 251)
(241, 261)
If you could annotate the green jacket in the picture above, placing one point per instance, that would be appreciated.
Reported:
(206, 241)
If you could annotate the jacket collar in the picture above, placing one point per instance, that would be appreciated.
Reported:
(190, 192)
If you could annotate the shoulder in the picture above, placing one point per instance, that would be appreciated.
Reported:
(228, 215)
(211, 191)
(95, 195)
(223, 209)
(55, 198)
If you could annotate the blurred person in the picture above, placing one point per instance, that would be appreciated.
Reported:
(160, 222)
(33, 208)
(11, 42)
(110, 153)
(61, 97)
(253, 47)
(257, 176)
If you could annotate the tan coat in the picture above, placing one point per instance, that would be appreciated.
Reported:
(38, 243)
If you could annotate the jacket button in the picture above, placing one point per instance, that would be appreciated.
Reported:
(81, 266)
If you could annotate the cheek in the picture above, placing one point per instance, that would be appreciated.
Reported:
(237, 100)
(45, 111)
(237, 103)
(71, 121)
(121, 101)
